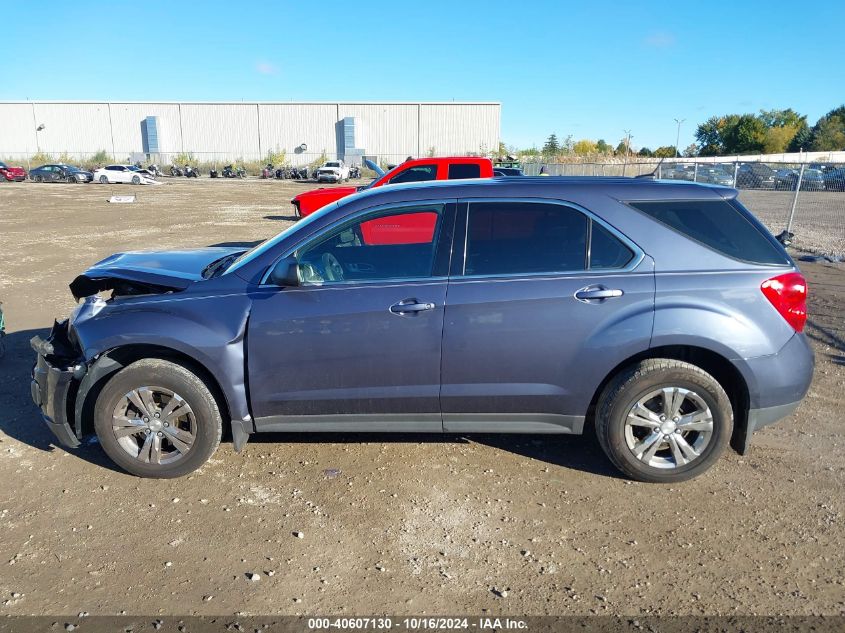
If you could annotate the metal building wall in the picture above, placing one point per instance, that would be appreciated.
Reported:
(219, 131)
(457, 128)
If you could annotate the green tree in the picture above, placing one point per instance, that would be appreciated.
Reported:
(621, 148)
(829, 131)
(709, 136)
(802, 140)
(667, 151)
(602, 147)
(552, 145)
(584, 147)
(644, 151)
(743, 134)
(781, 118)
(691, 150)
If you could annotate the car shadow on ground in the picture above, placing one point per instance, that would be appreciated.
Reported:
(20, 419)
(291, 218)
(572, 452)
(827, 336)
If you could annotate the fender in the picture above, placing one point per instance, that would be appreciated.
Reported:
(212, 337)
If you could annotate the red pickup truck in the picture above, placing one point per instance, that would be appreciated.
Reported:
(414, 170)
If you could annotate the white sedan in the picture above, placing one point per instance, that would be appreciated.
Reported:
(123, 174)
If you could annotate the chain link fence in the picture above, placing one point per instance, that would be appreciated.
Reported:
(804, 203)
(203, 161)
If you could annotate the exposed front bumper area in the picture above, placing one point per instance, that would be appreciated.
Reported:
(52, 387)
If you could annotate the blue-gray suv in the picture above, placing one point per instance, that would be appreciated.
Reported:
(661, 314)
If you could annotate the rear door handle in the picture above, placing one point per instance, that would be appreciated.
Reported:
(595, 294)
(410, 306)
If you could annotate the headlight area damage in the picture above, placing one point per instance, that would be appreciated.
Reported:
(61, 377)
(82, 352)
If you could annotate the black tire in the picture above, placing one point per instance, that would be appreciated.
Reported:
(104, 180)
(178, 379)
(635, 382)
(37, 179)
(136, 180)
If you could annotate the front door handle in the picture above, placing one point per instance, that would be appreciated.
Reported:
(410, 306)
(596, 294)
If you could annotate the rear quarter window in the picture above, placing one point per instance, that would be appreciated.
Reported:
(458, 171)
(726, 227)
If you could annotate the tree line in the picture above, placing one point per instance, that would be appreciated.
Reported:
(767, 132)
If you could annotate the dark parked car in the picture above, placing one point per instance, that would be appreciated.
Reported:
(60, 173)
(834, 179)
(507, 171)
(713, 175)
(662, 315)
(811, 180)
(755, 176)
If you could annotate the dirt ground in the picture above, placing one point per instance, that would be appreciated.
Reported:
(395, 525)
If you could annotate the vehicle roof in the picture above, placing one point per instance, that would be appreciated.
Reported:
(550, 186)
(449, 160)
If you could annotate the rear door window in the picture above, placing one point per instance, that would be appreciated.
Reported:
(513, 238)
(464, 170)
(726, 227)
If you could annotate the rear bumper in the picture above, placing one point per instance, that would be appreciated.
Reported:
(51, 388)
(780, 382)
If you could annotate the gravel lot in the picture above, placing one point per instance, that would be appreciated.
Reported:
(819, 222)
(398, 525)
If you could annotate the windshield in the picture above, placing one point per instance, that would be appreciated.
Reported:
(332, 164)
(385, 178)
(266, 245)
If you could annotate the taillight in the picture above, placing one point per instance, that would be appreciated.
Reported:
(788, 294)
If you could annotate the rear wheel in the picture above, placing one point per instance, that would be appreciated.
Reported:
(136, 180)
(37, 178)
(663, 421)
(104, 180)
(157, 419)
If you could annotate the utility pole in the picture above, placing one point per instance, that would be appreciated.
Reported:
(678, 137)
(627, 149)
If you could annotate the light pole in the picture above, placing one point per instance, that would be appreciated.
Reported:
(37, 130)
(627, 149)
(678, 137)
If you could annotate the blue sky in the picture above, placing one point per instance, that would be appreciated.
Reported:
(589, 69)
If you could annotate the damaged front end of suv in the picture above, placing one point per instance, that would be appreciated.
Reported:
(140, 305)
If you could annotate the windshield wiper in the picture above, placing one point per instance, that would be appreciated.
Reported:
(219, 265)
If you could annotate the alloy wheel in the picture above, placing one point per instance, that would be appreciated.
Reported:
(669, 427)
(154, 425)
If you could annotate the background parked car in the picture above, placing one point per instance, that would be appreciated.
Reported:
(755, 176)
(60, 173)
(333, 171)
(17, 174)
(812, 180)
(834, 179)
(123, 174)
(713, 175)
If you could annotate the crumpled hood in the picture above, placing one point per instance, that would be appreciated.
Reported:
(154, 271)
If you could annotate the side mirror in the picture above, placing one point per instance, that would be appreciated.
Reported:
(285, 273)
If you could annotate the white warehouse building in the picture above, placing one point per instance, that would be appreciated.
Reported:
(228, 131)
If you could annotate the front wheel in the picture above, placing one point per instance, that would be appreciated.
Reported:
(136, 180)
(157, 419)
(104, 180)
(663, 421)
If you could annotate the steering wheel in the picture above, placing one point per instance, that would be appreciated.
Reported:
(331, 267)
